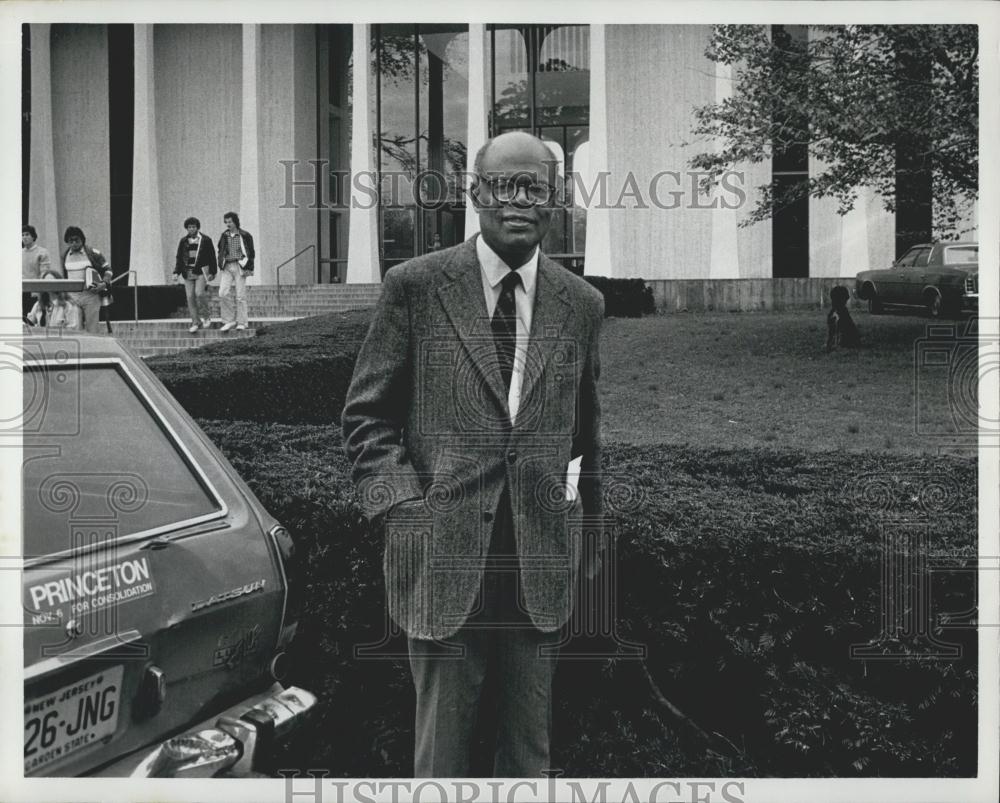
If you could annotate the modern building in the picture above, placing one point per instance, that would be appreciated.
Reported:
(129, 129)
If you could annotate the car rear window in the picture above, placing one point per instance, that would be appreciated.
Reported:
(100, 464)
(961, 254)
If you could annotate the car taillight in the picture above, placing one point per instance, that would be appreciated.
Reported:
(288, 558)
(970, 284)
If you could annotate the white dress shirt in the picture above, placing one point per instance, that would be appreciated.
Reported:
(492, 270)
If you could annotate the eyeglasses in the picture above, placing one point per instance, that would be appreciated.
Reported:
(505, 190)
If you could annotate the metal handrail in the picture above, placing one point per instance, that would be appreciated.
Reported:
(277, 270)
(135, 290)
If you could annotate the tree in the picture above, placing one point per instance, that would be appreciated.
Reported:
(868, 102)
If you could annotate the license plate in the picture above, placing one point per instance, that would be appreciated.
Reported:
(70, 718)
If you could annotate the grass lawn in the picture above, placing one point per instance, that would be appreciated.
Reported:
(743, 380)
(751, 380)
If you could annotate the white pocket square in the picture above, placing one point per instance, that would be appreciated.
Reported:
(573, 478)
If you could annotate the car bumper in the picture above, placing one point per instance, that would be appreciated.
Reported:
(231, 744)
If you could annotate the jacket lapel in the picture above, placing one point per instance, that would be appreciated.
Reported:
(461, 295)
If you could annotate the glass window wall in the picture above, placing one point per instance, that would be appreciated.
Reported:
(540, 82)
(422, 100)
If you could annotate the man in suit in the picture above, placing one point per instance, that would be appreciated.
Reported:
(474, 390)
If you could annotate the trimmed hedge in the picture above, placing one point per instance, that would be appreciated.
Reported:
(295, 372)
(299, 371)
(624, 298)
(747, 574)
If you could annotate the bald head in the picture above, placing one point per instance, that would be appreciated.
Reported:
(514, 211)
(515, 144)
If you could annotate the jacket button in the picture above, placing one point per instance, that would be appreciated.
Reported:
(511, 457)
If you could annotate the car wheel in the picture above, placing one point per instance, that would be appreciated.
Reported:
(934, 304)
(874, 302)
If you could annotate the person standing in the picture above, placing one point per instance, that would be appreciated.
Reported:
(35, 264)
(473, 393)
(82, 262)
(236, 262)
(196, 265)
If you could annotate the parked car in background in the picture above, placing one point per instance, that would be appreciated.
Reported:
(941, 278)
(156, 598)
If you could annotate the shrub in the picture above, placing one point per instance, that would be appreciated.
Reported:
(624, 298)
(747, 574)
(299, 371)
(296, 372)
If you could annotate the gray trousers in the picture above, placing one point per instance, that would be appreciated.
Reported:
(197, 301)
(498, 642)
(233, 282)
(88, 310)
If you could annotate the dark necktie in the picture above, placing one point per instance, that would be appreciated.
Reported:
(504, 326)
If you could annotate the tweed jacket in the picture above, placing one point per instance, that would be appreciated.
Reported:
(427, 431)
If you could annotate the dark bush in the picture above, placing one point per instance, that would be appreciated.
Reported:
(296, 372)
(624, 298)
(746, 574)
(155, 301)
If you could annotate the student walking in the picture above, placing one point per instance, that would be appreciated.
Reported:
(236, 262)
(80, 261)
(196, 265)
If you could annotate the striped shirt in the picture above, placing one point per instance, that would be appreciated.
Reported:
(193, 245)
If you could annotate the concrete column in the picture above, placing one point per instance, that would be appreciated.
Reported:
(597, 248)
(43, 212)
(362, 244)
(477, 133)
(145, 250)
(854, 254)
(724, 261)
(249, 210)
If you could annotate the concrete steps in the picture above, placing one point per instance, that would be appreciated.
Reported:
(169, 336)
(298, 301)
(264, 305)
